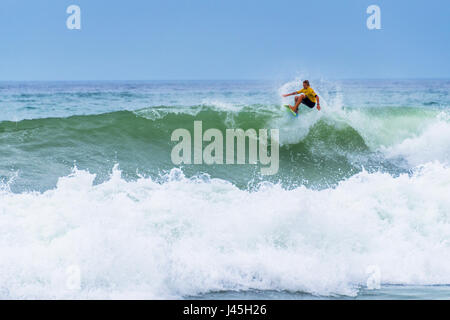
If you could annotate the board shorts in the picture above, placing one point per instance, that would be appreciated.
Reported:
(308, 102)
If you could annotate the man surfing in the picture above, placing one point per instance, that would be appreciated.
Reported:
(307, 96)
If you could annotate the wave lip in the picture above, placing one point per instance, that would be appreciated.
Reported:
(182, 237)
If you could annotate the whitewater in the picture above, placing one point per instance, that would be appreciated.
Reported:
(87, 183)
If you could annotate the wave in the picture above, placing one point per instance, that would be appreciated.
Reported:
(317, 148)
(178, 236)
(432, 144)
(376, 126)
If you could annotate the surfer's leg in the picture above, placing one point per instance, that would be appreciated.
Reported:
(298, 100)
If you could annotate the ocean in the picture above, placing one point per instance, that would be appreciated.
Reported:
(92, 206)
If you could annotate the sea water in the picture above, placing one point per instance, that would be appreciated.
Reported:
(359, 208)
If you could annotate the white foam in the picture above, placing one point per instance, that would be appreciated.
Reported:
(432, 144)
(156, 113)
(144, 239)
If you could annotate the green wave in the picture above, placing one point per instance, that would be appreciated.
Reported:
(140, 142)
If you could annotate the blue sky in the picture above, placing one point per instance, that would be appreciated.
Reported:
(223, 39)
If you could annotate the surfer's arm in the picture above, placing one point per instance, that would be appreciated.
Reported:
(290, 94)
(318, 102)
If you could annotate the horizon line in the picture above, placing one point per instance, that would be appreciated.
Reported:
(224, 79)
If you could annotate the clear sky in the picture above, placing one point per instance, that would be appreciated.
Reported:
(223, 39)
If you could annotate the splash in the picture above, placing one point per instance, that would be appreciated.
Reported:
(176, 237)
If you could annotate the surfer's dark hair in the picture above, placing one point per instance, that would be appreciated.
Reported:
(306, 81)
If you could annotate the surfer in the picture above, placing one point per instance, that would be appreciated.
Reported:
(307, 96)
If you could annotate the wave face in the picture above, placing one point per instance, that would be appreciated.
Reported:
(86, 180)
(317, 150)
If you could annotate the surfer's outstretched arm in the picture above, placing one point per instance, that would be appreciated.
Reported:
(290, 94)
(318, 102)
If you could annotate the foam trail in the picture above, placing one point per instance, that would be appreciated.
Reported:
(179, 236)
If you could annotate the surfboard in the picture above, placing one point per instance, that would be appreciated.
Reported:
(290, 111)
